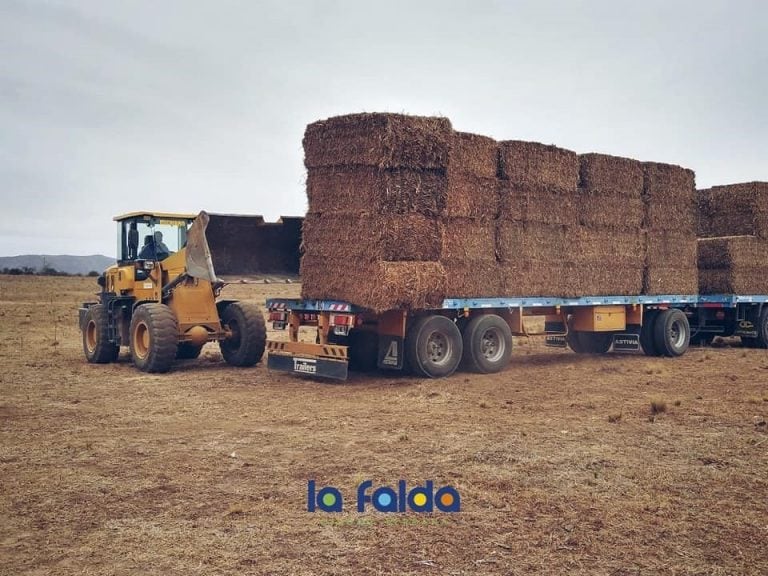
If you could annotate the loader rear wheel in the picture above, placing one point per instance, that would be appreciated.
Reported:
(672, 333)
(96, 345)
(154, 337)
(187, 351)
(487, 344)
(245, 346)
(433, 347)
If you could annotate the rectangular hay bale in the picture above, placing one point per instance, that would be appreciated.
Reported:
(465, 278)
(473, 155)
(660, 280)
(601, 173)
(734, 210)
(469, 239)
(367, 189)
(668, 249)
(539, 165)
(614, 209)
(537, 204)
(472, 196)
(378, 140)
(365, 237)
(377, 286)
(669, 193)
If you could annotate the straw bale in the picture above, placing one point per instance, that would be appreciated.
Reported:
(669, 193)
(537, 204)
(366, 189)
(601, 173)
(539, 165)
(466, 278)
(377, 286)
(473, 155)
(472, 196)
(734, 210)
(670, 280)
(469, 239)
(379, 140)
(606, 208)
(366, 237)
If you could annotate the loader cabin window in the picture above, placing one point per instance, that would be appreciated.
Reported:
(151, 238)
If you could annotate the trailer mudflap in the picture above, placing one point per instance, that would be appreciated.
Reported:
(320, 360)
(390, 352)
(308, 366)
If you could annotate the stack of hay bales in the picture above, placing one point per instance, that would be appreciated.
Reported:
(537, 220)
(733, 248)
(669, 193)
(611, 212)
(404, 212)
(377, 184)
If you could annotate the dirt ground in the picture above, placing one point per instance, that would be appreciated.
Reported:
(561, 465)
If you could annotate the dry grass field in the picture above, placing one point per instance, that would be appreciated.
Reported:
(565, 464)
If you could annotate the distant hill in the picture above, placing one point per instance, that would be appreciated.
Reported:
(62, 263)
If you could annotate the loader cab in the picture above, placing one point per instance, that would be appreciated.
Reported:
(137, 235)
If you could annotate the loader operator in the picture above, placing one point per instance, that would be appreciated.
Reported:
(154, 248)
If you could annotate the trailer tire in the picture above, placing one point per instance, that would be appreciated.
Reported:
(647, 333)
(154, 337)
(249, 334)
(672, 333)
(487, 344)
(594, 342)
(762, 332)
(433, 347)
(187, 351)
(96, 345)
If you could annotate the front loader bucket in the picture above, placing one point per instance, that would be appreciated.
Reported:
(247, 247)
(198, 254)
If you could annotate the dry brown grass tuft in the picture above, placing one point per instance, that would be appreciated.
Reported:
(658, 406)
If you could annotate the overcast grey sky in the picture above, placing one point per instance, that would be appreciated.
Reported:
(107, 106)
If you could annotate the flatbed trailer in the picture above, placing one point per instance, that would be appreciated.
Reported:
(476, 333)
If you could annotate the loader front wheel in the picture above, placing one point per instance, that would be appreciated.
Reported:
(154, 337)
(245, 346)
(96, 345)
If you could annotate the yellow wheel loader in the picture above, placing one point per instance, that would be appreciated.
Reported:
(161, 298)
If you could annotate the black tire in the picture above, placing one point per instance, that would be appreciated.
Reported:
(249, 334)
(187, 351)
(594, 342)
(672, 333)
(762, 333)
(487, 343)
(573, 340)
(154, 337)
(363, 350)
(647, 338)
(96, 345)
(433, 347)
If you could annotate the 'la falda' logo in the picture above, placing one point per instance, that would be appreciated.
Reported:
(386, 499)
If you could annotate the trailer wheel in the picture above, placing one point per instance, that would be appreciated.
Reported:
(762, 333)
(647, 334)
(187, 351)
(433, 347)
(245, 346)
(96, 345)
(154, 337)
(573, 340)
(594, 342)
(672, 333)
(487, 344)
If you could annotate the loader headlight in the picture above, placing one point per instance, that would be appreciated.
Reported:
(149, 264)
